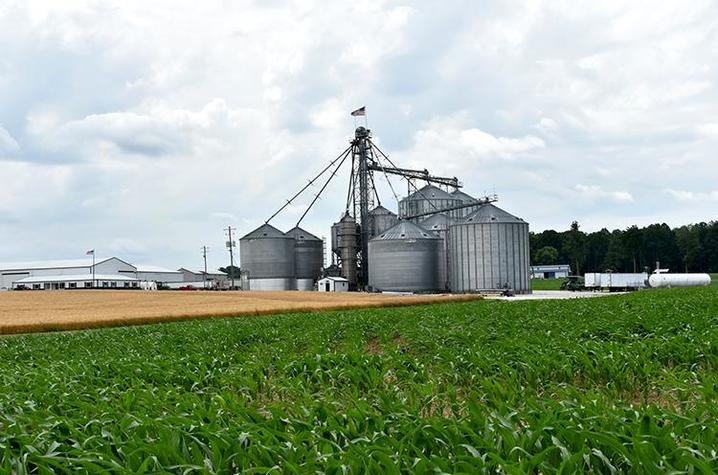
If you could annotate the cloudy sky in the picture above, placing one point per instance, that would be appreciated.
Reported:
(142, 129)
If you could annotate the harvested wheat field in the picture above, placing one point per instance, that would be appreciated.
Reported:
(23, 312)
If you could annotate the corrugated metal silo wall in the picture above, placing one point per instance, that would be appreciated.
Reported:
(271, 259)
(272, 284)
(443, 258)
(485, 256)
(381, 222)
(309, 258)
(405, 266)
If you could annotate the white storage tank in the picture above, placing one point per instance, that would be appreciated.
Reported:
(679, 280)
(489, 251)
(267, 257)
(405, 258)
(308, 257)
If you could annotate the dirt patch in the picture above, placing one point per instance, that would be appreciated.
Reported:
(373, 346)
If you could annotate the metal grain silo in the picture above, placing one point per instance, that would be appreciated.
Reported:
(489, 250)
(425, 200)
(439, 225)
(267, 257)
(347, 232)
(464, 198)
(381, 219)
(405, 258)
(308, 258)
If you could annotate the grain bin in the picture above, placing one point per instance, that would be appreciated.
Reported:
(381, 219)
(464, 198)
(347, 232)
(488, 251)
(427, 199)
(267, 257)
(308, 258)
(439, 225)
(405, 258)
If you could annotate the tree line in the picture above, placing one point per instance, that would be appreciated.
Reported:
(691, 248)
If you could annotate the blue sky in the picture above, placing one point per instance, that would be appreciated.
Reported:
(142, 129)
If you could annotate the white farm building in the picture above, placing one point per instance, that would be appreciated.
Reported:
(110, 272)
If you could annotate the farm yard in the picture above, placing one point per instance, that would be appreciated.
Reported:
(624, 383)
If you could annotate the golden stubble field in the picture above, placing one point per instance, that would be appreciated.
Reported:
(23, 312)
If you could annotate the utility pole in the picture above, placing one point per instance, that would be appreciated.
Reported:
(204, 256)
(231, 245)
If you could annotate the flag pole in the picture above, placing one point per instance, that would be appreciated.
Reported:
(93, 269)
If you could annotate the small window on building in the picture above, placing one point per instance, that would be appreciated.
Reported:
(62, 285)
(73, 285)
(134, 284)
(105, 284)
(88, 285)
(113, 284)
(127, 284)
(36, 286)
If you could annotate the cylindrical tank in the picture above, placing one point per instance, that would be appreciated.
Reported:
(489, 251)
(405, 258)
(308, 257)
(381, 219)
(439, 225)
(267, 256)
(679, 280)
(427, 199)
(464, 198)
(348, 245)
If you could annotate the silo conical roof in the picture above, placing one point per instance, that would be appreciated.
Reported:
(437, 221)
(463, 197)
(404, 230)
(263, 232)
(430, 192)
(301, 235)
(380, 210)
(489, 213)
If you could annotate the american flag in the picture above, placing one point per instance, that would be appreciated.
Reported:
(360, 111)
(91, 252)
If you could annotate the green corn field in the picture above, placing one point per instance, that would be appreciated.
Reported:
(619, 384)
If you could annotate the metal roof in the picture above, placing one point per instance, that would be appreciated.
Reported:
(335, 279)
(73, 278)
(265, 231)
(380, 210)
(301, 234)
(460, 195)
(150, 268)
(489, 213)
(430, 192)
(437, 221)
(405, 230)
(53, 264)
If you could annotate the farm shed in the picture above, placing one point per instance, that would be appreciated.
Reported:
(333, 284)
(556, 271)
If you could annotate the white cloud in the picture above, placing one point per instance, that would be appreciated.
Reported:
(152, 125)
(7, 143)
(597, 193)
(692, 196)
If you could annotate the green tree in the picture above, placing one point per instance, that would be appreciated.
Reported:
(547, 255)
(575, 246)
